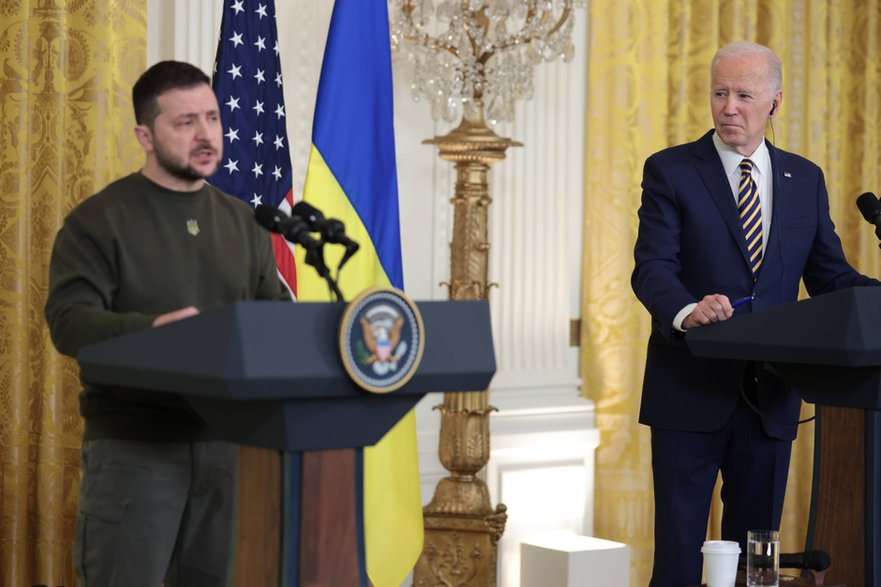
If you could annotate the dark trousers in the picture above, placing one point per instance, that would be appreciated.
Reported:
(685, 466)
(153, 512)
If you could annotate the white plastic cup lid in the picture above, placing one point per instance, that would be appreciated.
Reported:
(720, 547)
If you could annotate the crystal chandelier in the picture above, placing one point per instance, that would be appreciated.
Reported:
(476, 57)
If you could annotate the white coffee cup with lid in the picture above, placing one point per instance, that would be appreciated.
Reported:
(720, 562)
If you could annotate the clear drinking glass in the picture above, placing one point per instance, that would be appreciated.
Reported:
(763, 558)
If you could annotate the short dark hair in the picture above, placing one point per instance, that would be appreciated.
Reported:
(164, 76)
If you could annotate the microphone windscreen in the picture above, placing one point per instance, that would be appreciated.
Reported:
(268, 217)
(869, 206)
(309, 213)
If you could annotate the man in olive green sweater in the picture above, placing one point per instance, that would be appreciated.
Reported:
(157, 492)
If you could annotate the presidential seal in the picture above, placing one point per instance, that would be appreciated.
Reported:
(381, 339)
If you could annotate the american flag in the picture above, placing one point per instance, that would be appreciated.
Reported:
(256, 165)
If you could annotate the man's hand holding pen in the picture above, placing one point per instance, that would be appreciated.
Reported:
(712, 308)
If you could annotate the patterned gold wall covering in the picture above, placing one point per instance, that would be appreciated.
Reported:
(66, 71)
(648, 88)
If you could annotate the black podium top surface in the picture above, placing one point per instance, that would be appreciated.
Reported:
(842, 328)
(271, 350)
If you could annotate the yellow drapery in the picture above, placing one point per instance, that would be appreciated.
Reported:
(66, 72)
(648, 88)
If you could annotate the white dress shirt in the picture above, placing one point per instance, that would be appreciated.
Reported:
(764, 182)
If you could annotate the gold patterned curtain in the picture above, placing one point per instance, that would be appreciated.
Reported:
(648, 88)
(66, 72)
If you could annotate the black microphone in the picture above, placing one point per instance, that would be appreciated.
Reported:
(331, 229)
(292, 228)
(870, 208)
(812, 560)
(312, 215)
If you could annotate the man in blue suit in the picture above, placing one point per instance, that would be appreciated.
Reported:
(728, 224)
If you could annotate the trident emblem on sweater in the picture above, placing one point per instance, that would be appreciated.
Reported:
(193, 227)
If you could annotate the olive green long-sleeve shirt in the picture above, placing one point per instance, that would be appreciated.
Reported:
(134, 251)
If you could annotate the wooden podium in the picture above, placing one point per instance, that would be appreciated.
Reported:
(268, 374)
(828, 349)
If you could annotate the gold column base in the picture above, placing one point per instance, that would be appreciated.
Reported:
(460, 549)
(462, 530)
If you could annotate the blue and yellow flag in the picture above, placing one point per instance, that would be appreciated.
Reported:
(352, 177)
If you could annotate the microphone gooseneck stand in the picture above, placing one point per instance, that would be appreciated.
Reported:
(315, 258)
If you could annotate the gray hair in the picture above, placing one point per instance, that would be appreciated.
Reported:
(750, 49)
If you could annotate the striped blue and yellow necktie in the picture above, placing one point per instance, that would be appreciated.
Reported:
(750, 208)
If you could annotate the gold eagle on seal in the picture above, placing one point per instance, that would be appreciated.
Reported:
(381, 327)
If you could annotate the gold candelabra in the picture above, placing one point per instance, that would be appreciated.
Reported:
(472, 59)
(462, 529)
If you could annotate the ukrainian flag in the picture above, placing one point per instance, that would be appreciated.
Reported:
(351, 176)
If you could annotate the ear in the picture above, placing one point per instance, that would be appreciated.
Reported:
(144, 136)
(775, 103)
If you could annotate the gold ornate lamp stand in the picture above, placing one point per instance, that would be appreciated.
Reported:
(462, 529)
(474, 58)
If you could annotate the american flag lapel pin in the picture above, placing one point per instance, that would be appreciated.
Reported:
(787, 174)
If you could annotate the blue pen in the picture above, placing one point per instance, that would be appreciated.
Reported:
(742, 301)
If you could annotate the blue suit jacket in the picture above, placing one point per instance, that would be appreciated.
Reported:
(690, 244)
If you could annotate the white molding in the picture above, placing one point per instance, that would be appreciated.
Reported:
(186, 31)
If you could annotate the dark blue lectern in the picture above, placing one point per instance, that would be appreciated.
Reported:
(828, 349)
(269, 374)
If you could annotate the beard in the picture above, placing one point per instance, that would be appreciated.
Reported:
(179, 170)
